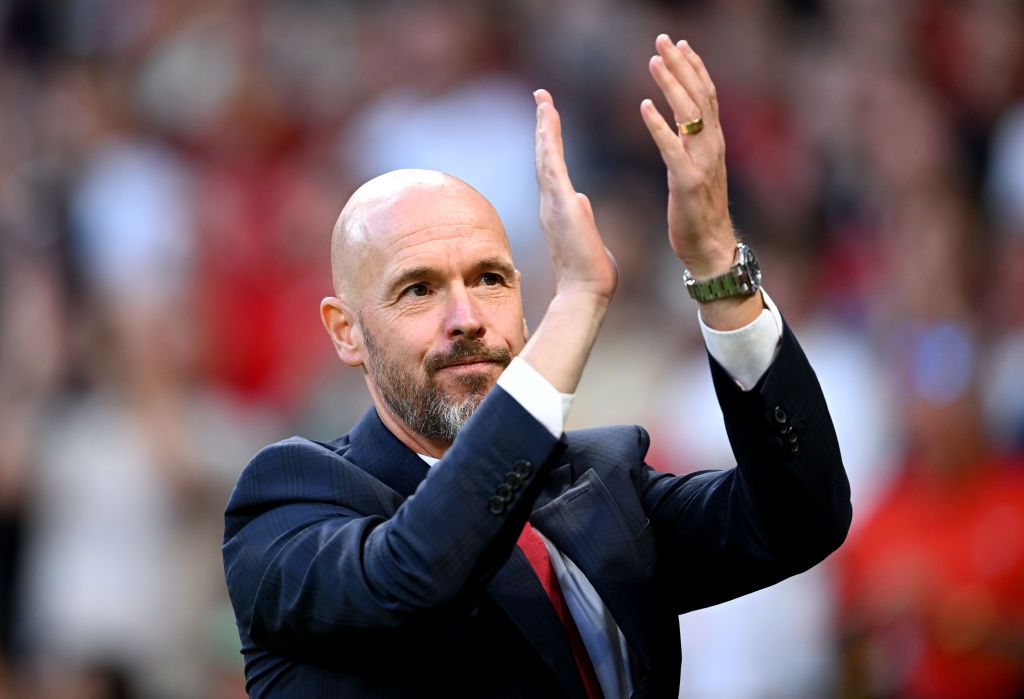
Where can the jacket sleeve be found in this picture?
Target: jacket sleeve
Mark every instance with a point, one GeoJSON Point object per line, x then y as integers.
{"type": "Point", "coordinates": [309, 555]}
{"type": "Point", "coordinates": [784, 508]}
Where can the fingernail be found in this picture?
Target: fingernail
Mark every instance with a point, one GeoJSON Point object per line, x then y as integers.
{"type": "Point", "coordinates": [536, 96]}
{"type": "Point", "coordinates": [663, 37]}
{"type": "Point", "coordinates": [683, 44]}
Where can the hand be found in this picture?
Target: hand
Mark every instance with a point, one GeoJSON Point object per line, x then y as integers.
{"type": "Point", "coordinates": [582, 263]}
{"type": "Point", "coordinates": [699, 228]}
{"type": "Point", "coordinates": [585, 272]}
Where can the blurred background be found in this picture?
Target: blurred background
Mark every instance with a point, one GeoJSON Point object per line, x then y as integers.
{"type": "Point", "coordinates": [169, 176]}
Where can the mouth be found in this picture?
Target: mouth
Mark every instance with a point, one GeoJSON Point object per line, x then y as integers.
{"type": "Point", "coordinates": [469, 364]}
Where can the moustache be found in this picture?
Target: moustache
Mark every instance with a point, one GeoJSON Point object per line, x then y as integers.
{"type": "Point", "coordinates": [466, 349]}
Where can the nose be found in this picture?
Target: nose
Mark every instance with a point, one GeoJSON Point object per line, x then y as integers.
{"type": "Point", "coordinates": [463, 318]}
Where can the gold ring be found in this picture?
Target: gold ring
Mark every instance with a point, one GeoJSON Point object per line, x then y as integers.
{"type": "Point", "coordinates": [690, 127]}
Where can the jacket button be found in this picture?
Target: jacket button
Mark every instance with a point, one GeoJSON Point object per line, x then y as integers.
{"type": "Point", "coordinates": [791, 436]}
{"type": "Point", "coordinates": [794, 447]}
{"type": "Point", "coordinates": [496, 505]}
{"type": "Point", "coordinates": [524, 468]}
{"type": "Point", "coordinates": [514, 480]}
{"type": "Point", "coordinates": [780, 415]}
{"type": "Point", "coordinates": [504, 492]}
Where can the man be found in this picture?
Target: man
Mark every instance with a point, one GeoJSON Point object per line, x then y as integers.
{"type": "Point", "coordinates": [456, 542]}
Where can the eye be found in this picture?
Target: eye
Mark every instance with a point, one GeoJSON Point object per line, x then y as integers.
{"type": "Point", "coordinates": [491, 279]}
{"type": "Point", "coordinates": [416, 290]}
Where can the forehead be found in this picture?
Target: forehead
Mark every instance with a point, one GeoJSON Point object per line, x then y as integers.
{"type": "Point", "coordinates": [436, 226]}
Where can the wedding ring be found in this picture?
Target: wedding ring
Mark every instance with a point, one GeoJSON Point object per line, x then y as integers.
{"type": "Point", "coordinates": [690, 127]}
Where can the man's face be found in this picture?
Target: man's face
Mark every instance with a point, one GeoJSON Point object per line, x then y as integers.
{"type": "Point", "coordinates": [441, 315]}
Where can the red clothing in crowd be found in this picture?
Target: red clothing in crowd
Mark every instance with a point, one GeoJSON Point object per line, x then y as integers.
{"type": "Point", "coordinates": [935, 583]}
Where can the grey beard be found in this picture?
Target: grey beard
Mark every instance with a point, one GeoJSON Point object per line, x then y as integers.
{"type": "Point", "coordinates": [426, 409]}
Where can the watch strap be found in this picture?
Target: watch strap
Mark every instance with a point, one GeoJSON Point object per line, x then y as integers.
{"type": "Point", "coordinates": [720, 287]}
{"type": "Point", "coordinates": [740, 280]}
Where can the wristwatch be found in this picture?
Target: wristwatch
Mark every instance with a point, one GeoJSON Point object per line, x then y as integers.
{"type": "Point", "coordinates": [742, 279]}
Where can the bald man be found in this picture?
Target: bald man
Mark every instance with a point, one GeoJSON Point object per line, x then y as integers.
{"type": "Point", "coordinates": [457, 542]}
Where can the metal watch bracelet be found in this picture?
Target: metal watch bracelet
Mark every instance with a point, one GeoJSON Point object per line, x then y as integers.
{"type": "Point", "coordinates": [742, 279]}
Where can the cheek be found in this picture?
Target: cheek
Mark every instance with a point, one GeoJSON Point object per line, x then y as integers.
{"type": "Point", "coordinates": [404, 340]}
{"type": "Point", "coordinates": [507, 322]}
{"type": "Point", "coordinates": [411, 346]}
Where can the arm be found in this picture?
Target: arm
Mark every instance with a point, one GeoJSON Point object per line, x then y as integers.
{"type": "Point", "coordinates": [315, 548]}
{"type": "Point", "coordinates": [786, 505]}
{"type": "Point", "coordinates": [585, 272]}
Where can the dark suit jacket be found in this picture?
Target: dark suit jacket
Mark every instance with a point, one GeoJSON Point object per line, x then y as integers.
{"type": "Point", "coordinates": [354, 573]}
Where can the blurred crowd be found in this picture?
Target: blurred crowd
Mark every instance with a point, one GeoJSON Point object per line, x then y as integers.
{"type": "Point", "coordinates": [169, 175]}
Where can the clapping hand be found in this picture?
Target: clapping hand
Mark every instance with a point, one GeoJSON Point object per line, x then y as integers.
{"type": "Point", "coordinates": [699, 228]}
{"type": "Point", "coordinates": [585, 272]}
{"type": "Point", "coordinates": [582, 263]}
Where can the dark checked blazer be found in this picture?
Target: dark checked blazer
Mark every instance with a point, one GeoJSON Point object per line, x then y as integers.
{"type": "Point", "coordinates": [356, 571]}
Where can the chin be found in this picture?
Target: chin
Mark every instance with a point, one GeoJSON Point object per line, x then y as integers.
{"type": "Point", "coordinates": [469, 384]}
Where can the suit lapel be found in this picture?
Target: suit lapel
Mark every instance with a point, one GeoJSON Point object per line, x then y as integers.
{"type": "Point", "coordinates": [374, 449]}
{"type": "Point", "coordinates": [615, 554]}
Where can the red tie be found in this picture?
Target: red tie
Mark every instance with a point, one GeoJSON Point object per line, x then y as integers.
{"type": "Point", "coordinates": [537, 553]}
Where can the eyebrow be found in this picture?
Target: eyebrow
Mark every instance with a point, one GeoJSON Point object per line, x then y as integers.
{"type": "Point", "coordinates": [496, 263]}
{"type": "Point", "coordinates": [418, 273]}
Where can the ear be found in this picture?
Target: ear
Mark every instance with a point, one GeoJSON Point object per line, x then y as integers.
{"type": "Point", "coordinates": [344, 331]}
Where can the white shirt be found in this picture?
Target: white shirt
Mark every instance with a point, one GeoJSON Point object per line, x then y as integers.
{"type": "Point", "coordinates": [746, 354]}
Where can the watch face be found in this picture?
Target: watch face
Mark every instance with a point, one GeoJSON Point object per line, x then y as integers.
{"type": "Point", "coordinates": [750, 265]}
{"type": "Point", "coordinates": [754, 267]}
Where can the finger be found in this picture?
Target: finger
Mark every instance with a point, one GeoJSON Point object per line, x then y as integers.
{"type": "Point", "coordinates": [683, 106]}
{"type": "Point", "coordinates": [684, 72]}
{"type": "Point", "coordinates": [702, 72]}
{"type": "Point", "coordinates": [543, 97]}
{"type": "Point", "coordinates": [552, 173]}
{"type": "Point", "coordinates": [665, 137]}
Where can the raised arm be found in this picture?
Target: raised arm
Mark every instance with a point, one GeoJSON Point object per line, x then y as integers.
{"type": "Point", "coordinates": [585, 272]}
{"type": "Point", "coordinates": [786, 505]}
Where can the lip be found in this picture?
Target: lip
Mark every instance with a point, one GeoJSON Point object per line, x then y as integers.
{"type": "Point", "coordinates": [469, 364]}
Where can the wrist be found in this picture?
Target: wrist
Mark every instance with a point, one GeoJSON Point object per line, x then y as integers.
{"type": "Point", "coordinates": [711, 261]}
{"type": "Point", "coordinates": [578, 300]}
{"type": "Point", "coordinates": [559, 348]}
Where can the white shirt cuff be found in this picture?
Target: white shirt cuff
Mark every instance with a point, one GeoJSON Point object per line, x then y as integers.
{"type": "Point", "coordinates": [747, 352]}
{"type": "Point", "coordinates": [536, 394]}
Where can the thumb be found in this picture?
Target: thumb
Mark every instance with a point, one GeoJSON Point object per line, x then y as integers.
{"type": "Point", "coordinates": [587, 206]}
